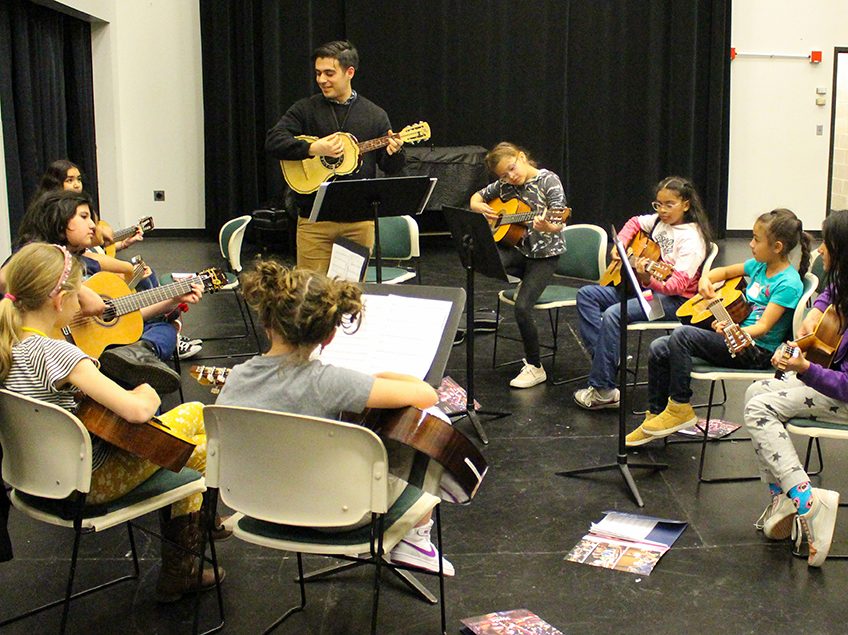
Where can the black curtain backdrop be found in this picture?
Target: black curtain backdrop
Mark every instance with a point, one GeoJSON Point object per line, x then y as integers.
{"type": "Point", "coordinates": [612, 95]}
{"type": "Point", "coordinates": [46, 97]}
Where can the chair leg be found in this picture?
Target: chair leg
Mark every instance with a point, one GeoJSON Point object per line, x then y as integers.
{"type": "Point", "coordinates": [207, 520]}
{"type": "Point", "coordinates": [706, 439]}
{"type": "Point", "coordinates": [378, 560]}
{"type": "Point", "coordinates": [442, 567]}
{"type": "Point", "coordinates": [808, 456]}
{"type": "Point", "coordinates": [294, 609]}
{"type": "Point", "coordinates": [497, 330]}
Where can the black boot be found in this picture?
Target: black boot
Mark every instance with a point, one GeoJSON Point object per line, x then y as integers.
{"type": "Point", "coordinates": [136, 364]}
{"type": "Point", "coordinates": [178, 575]}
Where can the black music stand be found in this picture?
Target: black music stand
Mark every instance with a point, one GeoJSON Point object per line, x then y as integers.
{"type": "Point", "coordinates": [353, 200]}
{"type": "Point", "coordinates": [473, 239]}
{"type": "Point", "coordinates": [628, 278]}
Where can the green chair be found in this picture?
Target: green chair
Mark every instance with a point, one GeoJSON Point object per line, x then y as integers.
{"type": "Point", "coordinates": [398, 244]}
{"type": "Point", "coordinates": [701, 369]}
{"type": "Point", "coordinates": [817, 269]}
{"type": "Point", "coordinates": [584, 259]}
{"type": "Point", "coordinates": [47, 461]}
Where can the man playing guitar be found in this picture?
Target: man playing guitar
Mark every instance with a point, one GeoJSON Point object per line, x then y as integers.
{"type": "Point", "coordinates": [338, 108]}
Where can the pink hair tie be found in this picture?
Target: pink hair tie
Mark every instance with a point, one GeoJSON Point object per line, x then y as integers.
{"type": "Point", "coordinates": [66, 270]}
{"type": "Point", "coordinates": [10, 297]}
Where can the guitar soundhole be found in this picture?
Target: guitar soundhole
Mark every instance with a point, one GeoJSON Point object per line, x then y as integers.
{"type": "Point", "coordinates": [331, 163]}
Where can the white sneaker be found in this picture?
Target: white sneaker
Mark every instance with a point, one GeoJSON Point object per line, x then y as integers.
{"type": "Point", "coordinates": [591, 398]}
{"type": "Point", "coordinates": [190, 340]}
{"type": "Point", "coordinates": [776, 520]}
{"type": "Point", "coordinates": [186, 349]}
{"type": "Point", "coordinates": [417, 550]}
{"type": "Point", "coordinates": [818, 525]}
{"type": "Point", "coordinates": [529, 376]}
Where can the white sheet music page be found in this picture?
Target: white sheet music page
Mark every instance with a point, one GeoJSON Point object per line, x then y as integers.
{"type": "Point", "coordinates": [398, 334]}
{"type": "Point", "coordinates": [345, 264]}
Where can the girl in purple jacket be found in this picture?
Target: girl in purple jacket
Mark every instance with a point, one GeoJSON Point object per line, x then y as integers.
{"type": "Point", "coordinates": [810, 391]}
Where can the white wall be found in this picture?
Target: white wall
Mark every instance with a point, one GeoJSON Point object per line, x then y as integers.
{"type": "Point", "coordinates": [5, 236]}
{"type": "Point", "coordinates": [148, 109]}
{"type": "Point", "coordinates": [776, 158]}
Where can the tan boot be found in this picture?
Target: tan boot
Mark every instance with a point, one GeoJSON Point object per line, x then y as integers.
{"type": "Point", "coordinates": [178, 575]}
{"type": "Point", "coordinates": [676, 416]}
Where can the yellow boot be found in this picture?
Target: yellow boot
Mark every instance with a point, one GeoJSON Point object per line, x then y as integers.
{"type": "Point", "coordinates": [676, 416]}
{"type": "Point", "coordinates": [638, 436]}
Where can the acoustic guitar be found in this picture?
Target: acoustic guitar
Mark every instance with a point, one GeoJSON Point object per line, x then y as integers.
{"type": "Point", "coordinates": [121, 322]}
{"type": "Point", "coordinates": [144, 224]}
{"type": "Point", "coordinates": [641, 246]}
{"type": "Point", "coordinates": [304, 177]}
{"type": "Point", "coordinates": [464, 465]}
{"type": "Point", "coordinates": [509, 229]}
{"type": "Point", "coordinates": [152, 440]}
{"type": "Point", "coordinates": [730, 305]}
{"type": "Point", "coordinates": [819, 347]}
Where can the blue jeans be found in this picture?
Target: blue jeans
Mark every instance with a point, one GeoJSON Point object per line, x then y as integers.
{"type": "Point", "coordinates": [599, 311]}
{"type": "Point", "coordinates": [162, 336]}
{"type": "Point", "coordinates": [670, 362]}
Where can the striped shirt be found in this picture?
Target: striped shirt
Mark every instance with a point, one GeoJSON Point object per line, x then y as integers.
{"type": "Point", "coordinates": [39, 364]}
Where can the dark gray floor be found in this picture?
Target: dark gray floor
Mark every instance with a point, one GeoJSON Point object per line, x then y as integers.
{"type": "Point", "coordinates": [508, 546]}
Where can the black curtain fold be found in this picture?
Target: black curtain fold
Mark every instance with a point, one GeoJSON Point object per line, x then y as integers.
{"type": "Point", "coordinates": [46, 97]}
{"type": "Point", "coordinates": [612, 95]}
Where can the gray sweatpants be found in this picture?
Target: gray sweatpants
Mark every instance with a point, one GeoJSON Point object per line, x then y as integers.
{"type": "Point", "coordinates": [769, 404]}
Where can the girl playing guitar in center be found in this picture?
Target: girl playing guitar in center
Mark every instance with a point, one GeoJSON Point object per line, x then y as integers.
{"type": "Point", "coordinates": [682, 231]}
{"type": "Point", "coordinates": [773, 294]}
{"type": "Point", "coordinates": [301, 310]}
{"type": "Point", "coordinates": [812, 391]}
{"type": "Point", "coordinates": [534, 258]}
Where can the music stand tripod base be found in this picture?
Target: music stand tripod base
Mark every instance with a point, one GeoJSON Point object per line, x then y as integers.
{"type": "Point", "coordinates": [628, 277]}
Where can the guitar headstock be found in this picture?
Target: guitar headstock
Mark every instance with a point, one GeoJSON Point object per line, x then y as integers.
{"type": "Point", "coordinates": [736, 339]}
{"type": "Point", "coordinates": [215, 376]}
{"type": "Point", "coordinates": [213, 279]}
{"type": "Point", "coordinates": [660, 270]}
{"type": "Point", "coordinates": [415, 132]}
{"type": "Point", "coordinates": [557, 215]}
{"type": "Point", "coordinates": [145, 224]}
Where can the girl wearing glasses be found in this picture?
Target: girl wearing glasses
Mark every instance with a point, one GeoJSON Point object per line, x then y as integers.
{"type": "Point", "coordinates": [681, 229]}
{"type": "Point", "coordinates": [534, 258]}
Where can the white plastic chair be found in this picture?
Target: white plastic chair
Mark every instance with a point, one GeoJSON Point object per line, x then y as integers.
{"type": "Point", "coordinates": [703, 370]}
{"type": "Point", "coordinates": [47, 461]}
{"type": "Point", "coordinates": [288, 475]}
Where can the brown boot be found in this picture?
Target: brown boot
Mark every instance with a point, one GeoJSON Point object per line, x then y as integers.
{"type": "Point", "coordinates": [178, 575]}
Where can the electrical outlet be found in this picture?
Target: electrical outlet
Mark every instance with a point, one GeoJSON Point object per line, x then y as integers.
{"type": "Point", "coordinates": [158, 195]}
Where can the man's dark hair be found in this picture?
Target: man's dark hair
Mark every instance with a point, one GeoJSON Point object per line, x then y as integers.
{"type": "Point", "coordinates": [342, 50]}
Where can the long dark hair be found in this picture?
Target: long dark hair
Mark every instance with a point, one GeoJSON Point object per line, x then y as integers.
{"type": "Point", "coordinates": [835, 236]}
{"type": "Point", "coordinates": [685, 189]}
{"type": "Point", "coordinates": [47, 218]}
{"type": "Point", "coordinates": [782, 224]}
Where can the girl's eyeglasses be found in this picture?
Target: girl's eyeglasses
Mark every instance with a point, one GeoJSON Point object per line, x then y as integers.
{"type": "Point", "coordinates": [666, 206]}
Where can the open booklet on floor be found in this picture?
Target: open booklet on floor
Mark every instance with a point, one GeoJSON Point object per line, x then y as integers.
{"type": "Point", "coordinates": [515, 622]}
{"type": "Point", "coordinates": [627, 542]}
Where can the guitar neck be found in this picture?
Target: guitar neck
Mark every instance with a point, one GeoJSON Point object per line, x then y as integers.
{"type": "Point", "coordinates": [523, 217]}
{"type": "Point", "coordinates": [373, 144]}
{"type": "Point", "coordinates": [126, 232]}
{"type": "Point", "coordinates": [136, 301]}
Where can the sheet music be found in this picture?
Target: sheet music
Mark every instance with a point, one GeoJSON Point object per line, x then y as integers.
{"type": "Point", "coordinates": [398, 333]}
{"type": "Point", "coordinates": [346, 264]}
